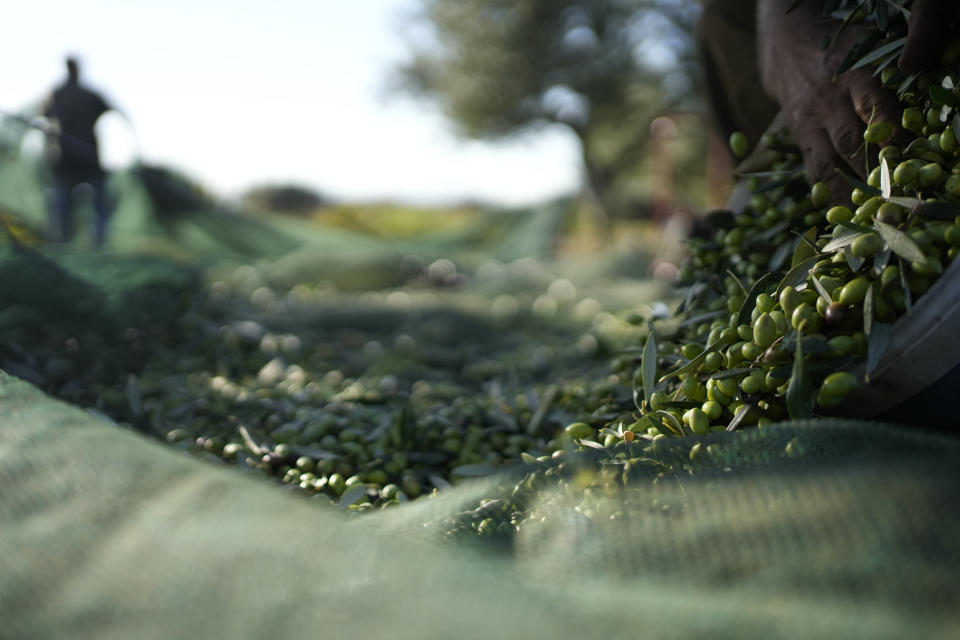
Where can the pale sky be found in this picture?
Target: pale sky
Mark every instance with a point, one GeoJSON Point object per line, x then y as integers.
{"type": "Point", "coordinates": [242, 92]}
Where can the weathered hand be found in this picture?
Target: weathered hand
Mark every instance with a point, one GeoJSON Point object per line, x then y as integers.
{"type": "Point", "coordinates": [827, 114]}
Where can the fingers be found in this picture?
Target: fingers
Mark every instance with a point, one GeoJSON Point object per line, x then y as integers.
{"type": "Point", "coordinates": [928, 32]}
{"type": "Point", "coordinates": [844, 128]}
{"type": "Point", "coordinates": [821, 161]}
{"type": "Point", "coordinates": [870, 100]}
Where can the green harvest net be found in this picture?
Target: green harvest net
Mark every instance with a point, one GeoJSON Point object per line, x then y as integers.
{"type": "Point", "coordinates": [107, 535]}
{"type": "Point", "coordinates": [814, 529]}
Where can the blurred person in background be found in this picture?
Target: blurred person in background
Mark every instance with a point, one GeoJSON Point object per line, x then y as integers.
{"type": "Point", "coordinates": [73, 153]}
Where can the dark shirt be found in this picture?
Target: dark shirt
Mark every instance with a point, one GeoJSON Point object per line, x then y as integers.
{"type": "Point", "coordinates": [74, 151]}
{"type": "Point", "coordinates": [727, 38]}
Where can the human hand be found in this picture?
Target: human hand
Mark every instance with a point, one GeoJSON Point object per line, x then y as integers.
{"type": "Point", "coordinates": [928, 32]}
{"type": "Point", "coordinates": [827, 114]}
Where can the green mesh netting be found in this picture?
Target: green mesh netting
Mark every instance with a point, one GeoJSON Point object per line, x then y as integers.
{"type": "Point", "coordinates": [108, 535]}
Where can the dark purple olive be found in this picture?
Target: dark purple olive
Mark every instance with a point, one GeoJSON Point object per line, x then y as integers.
{"type": "Point", "coordinates": [836, 314]}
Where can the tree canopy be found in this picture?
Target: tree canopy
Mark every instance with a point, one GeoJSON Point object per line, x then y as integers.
{"type": "Point", "coordinates": [603, 68]}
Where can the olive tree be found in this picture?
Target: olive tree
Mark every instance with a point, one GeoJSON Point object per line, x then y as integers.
{"type": "Point", "coordinates": [602, 68]}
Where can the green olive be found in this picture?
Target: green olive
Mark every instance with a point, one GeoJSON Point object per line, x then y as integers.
{"type": "Point", "coordinates": [859, 196]}
{"type": "Point", "coordinates": [727, 386]}
{"type": "Point", "coordinates": [867, 245]}
{"type": "Point", "coordinates": [905, 173]}
{"type": "Point", "coordinates": [657, 401]}
{"type": "Point", "coordinates": [948, 139]}
{"type": "Point", "coordinates": [739, 144]}
{"type": "Point", "coordinates": [842, 345]}
{"type": "Point", "coordinates": [931, 267]}
{"type": "Point", "coordinates": [712, 362]}
{"type": "Point", "coordinates": [838, 384]}
{"type": "Point", "coordinates": [751, 351]}
{"type": "Point", "coordinates": [869, 208]}
{"type": "Point", "coordinates": [929, 174]}
{"type": "Point", "coordinates": [839, 214]}
{"type": "Point", "coordinates": [691, 350]}
{"type": "Point", "coordinates": [764, 331]}
{"type": "Point", "coordinates": [890, 213]}
{"type": "Point", "coordinates": [578, 430]}
{"type": "Point", "coordinates": [789, 299]}
{"type": "Point", "coordinates": [877, 132]}
{"type": "Point", "coordinates": [697, 420]}
{"type": "Point", "coordinates": [712, 409]}
{"type": "Point", "coordinates": [751, 384]}
{"type": "Point", "coordinates": [913, 119]}
{"type": "Point", "coordinates": [820, 195]}
{"type": "Point", "coordinates": [951, 234]}
{"type": "Point", "coordinates": [854, 291]}
{"type": "Point", "coordinates": [336, 483]}
{"type": "Point", "coordinates": [891, 273]}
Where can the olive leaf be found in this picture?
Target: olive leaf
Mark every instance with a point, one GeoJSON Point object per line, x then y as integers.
{"type": "Point", "coordinates": [907, 82]}
{"type": "Point", "coordinates": [739, 416]}
{"type": "Point", "coordinates": [737, 280]}
{"type": "Point", "coordinates": [860, 49]}
{"type": "Point", "coordinates": [779, 256]}
{"type": "Point", "coordinates": [821, 289]}
{"type": "Point", "coordinates": [799, 393]}
{"type": "Point", "coordinates": [352, 494]}
{"type": "Point", "coordinates": [852, 226]}
{"type": "Point", "coordinates": [906, 203]}
{"type": "Point", "coordinates": [805, 247]}
{"type": "Point", "coordinates": [905, 285]}
{"type": "Point", "coordinates": [882, 14]}
{"type": "Point", "coordinates": [797, 275]}
{"type": "Point", "coordinates": [879, 52]}
{"type": "Point", "coordinates": [841, 241]}
{"type": "Point", "coordinates": [732, 373]}
{"type": "Point", "coordinates": [669, 421]}
{"type": "Point", "coordinates": [695, 362]}
{"type": "Point", "coordinates": [901, 244]}
{"type": "Point", "coordinates": [877, 345]}
{"type": "Point", "coordinates": [854, 262]}
{"type": "Point", "coordinates": [648, 368]}
{"type": "Point", "coordinates": [881, 259]}
{"type": "Point", "coordinates": [868, 310]}
{"type": "Point", "coordinates": [591, 444]}
{"type": "Point", "coordinates": [750, 301]}
{"type": "Point", "coordinates": [885, 186]}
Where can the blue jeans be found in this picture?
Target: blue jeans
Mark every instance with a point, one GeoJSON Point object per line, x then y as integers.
{"type": "Point", "coordinates": [64, 187]}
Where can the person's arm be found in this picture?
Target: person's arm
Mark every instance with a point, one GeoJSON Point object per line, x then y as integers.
{"type": "Point", "coordinates": [827, 114]}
